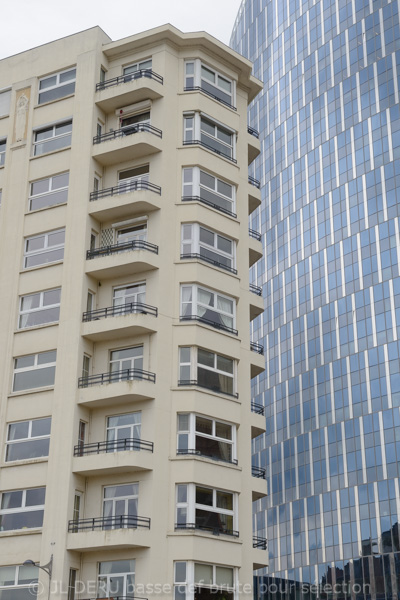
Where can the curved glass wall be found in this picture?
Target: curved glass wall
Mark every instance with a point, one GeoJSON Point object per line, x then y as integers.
{"type": "Point", "coordinates": [329, 122]}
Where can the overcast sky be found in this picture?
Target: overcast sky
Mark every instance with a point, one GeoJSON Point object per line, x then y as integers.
{"type": "Point", "coordinates": [29, 23]}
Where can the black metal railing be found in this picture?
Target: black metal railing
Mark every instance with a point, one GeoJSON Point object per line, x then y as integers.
{"type": "Point", "coordinates": [255, 234]}
{"type": "Point", "coordinates": [118, 598]}
{"type": "Point", "coordinates": [116, 311]}
{"type": "Point", "coordinates": [258, 472]}
{"type": "Point", "coordinates": [216, 263]}
{"type": "Point", "coordinates": [102, 85]}
{"type": "Point", "coordinates": [214, 530]}
{"type": "Point", "coordinates": [214, 324]}
{"type": "Point", "coordinates": [254, 182]}
{"type": "Point", "coordinates": [199, 453]}
{"type": "Point", "coordinates": [113, 446]}
{"type": "Point", "coordinates": [127, 130]}
{"type": "Point", "coordinates": [255, 289]}
{"type": "Point", "coordinates": [253, 132]}
{"type": "Point", "coordinates": [116, 376]}
{"type": "Point", "coordinates": [260, 543]}
{"type": "Point", "coordinates": [124, 188]}
{"type": "Point", "coordinates": [198, 88]}
{"type": "Point", "coordinates": [114, 248]}
{"type": "Point", "coordinates": [259, 409]}
{"type": "Point", "coordinates": [214, 388]}
{"type": "Point", "coordinates": [254, 347]}
{"type": "Point", "coordinates": [209, 147]}
{"type": "Point", "coordinates": [118, 522]}
{"type": "Point", "coordinates": [208, 203]}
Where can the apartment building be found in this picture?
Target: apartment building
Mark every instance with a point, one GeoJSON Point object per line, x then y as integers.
{"type": "Point", "coordinates": [126, 358]}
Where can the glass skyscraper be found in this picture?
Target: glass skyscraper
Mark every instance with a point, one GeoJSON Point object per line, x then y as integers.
{"type": "Point", "coordinates": [329, 122]}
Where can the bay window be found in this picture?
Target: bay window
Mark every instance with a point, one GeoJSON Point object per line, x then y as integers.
{"type": "Point", "coordinates": [18, 582]}
{"type": "Point", "coordinates": [208, 245]}
{"type": "Point", "coordinates": [199, 185]}
{"type": "Point", "coordinates": [202, 581]}
{"type": "Point", "coordinates": [207, 509]}
{"type": "Point", "coordinates": [203, 130]}
{"type": "Point", "coordinates": [22, 509]}
{"type": "Point", "coordinates": [204, 436]}
{"type": "Point", "coordinates": [201, 76]}
{"type": "Point", "coordinates": [28, 439]}
{"type": "Point", "coordinates": [204, 305]}
{"type": "Point", "coordinates": [34, 371]}
{"type": "Point", "coordinates": [206, 369]}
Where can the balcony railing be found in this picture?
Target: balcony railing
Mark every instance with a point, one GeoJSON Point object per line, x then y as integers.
{"type": "Point", "coordinates": [124, 188]}
{"type": "Point", "coordinates": [255, 289]}
{"type": "Point", "coordinates": [254, 347]}
{"type": "Point", "coordinates": [199, 453]}
{"type": "Point", "coordinates": [106, 523]}
{"type": "Point", "coordinates": [102, 85]}
{"type": "Point", "coordinates": [216, 263]}
{"type": "Point", "coordinates": [208, 203]}
{"type": "Point", "coordinates": [114, 248]}
{"type": "Point", "coordinates": [128, 130]}
{"type": "Point", "coordinates": [255, 234]}
{"type": "Point", "coordinates": [118, 598]}
{"type": "Point", "coordinates": [215, 324]}
{"type": "Point", "coordinates": [116, 376]}
{"type": "Point", "coordinates": [122, 445]}
{"type": "Point", "coordinates": [253, 132]}
{"type": "Point", "coordinates": [195, 382]}
{"type": "Point", "coordinates": [254, 182]}
{"type": "Point", "coordinates": [214, 530]}
{"type": "Point", "coordinates": [198, 88]}
{"type": "Point", "coordinates": [259, 542]}
{"type": "Point", "coordinates": [258, 472]}
{"type": "Point", "coordinates": [116, 311]}
{"type": "Point", "coordinates": [209, 147]}
{"type": "Point", "coordinates": [258, 409]}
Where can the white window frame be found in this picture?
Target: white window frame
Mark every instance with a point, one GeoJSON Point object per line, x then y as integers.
{"type": "Point", "coordinates": [129, 184]}
{"type": "Point", "coordinates": [57, 86]}
{"type": "Point", "coordinates": [195, 79]}
{"type": "Point", "coordinates": [189, 507]}
{"type": "Point", "coordinates": [120, 361]}
{"type": "Point", "coordinates": [21, 586]}
{"type": "Point", "coordinates": [194, 134]}
{"type": "Point", "coordinates": [46, 248]}
{"type": "Point", "coordinates": [23, 508]}
{"type": "Point", "coordinates": [113, 500]}
{"type": "Point", "coordinates": [41, 308]}
{"type": "Point", "coordinates": [138, 225]}
{"type": "Point", "coordinates": [5, 102]}
{"type": "Point", "coordinates": [3, 142]}
{"type": "Point", "coordinates": [190, 236]}
{"type": "Point", "coordinates": [52, 191]}
{"type": "Point", "coordinates": [34, 367]}
{"type": "Point", "coordinates": [128, 76]}
{"type": "Point", "coordinates": [192, 187]}
{"type": "Point", "coordinates": [194, 365]}
{"type": "Point", "coordinates": [37, 143]}
{"type": "Point", "coordinates": [29, 438]}
{"type": "Point", "coordinates": [108, 576]}
{"type": "Point", "coordinates": [184, 590]}
{"type": "Point", "coordinates": [197, 304]}
{"type": "Point", "coordinates": [188, 436]}
{"type": "Point", "coordinates": [135, 433]}
{"type": "Point", "coordinates": [133, 297]}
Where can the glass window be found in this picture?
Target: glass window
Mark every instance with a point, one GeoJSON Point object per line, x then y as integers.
{"type": "Point", "coordinates": [18, 582]}
{"type": "Point", "coordinates": [210, 307]}
{"type": "Point", "coordinates": [49, 192]}
{"type": "Point", "coordinates": [210, 81]}
{"type": "Point", "coordinates": [199, 242]}
{"type": "Point", "coordinates": [130, 179]}
{"type": "Point", "coordinates": [39, 309]}
{"type": "Point", "coordinates": [2, 152]}
{"type": "Point", "coordinates": [129, 294]}
{"type": "Point", "coordinates": [206, 437]}
{"type": "Point", "coordinates": [57, 86]}
{"type": "Point", "coordinates": [207, 579]}
{"type": "Point", "coordinates": [124, 431]}
{"type": "Point", "coordinates": [200, 185]}
{"type": "Point", "coordinates": [52, 138]}
{"type": "Point", "coordinates": [45, 248]}
{"type": "Point", "coordinates": [206, 369]}
{"type": "Point", "coordinates": [120, 506]}
{"type": "Point", "coordinates": [137, 69]}
{"type": "Point", "coordinates": [5, 101]}
{"type": "Point", "coordinates": [34, 371]}
{"type": "Point", "coordinates": [116, 579]}
{"type": "Point", "coordinates": [212, 135]}
{"type": "Point", "coordinates": [22, 509]}
{"type": "Point", "coordinates": [124, 363]}
{"type": "Point", "coordinates": [205, 508]}
{"type": "Point", "coordinates": [134, 123]}
{"type": "Point", "coordinates": [131, 233]}
{"type": "Point", "coordinates": [28, 439]}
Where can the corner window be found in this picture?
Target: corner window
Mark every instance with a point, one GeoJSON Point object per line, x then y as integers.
{"type": "Point", "coordinates": [2, 152]}
{"type": "Point", "coordinates": [34, 371]}
{"type": "Point", "coordinates": [204, 436]}
{"type": "Point", "coordinates": [201, 304]}
{"type": "Point", "coordinates": [137, 70]}
{"type": "Point", "coordinates": [203, 77]}
{"type": "Point", "coordinates": [57, 86]}
{"type": "Point", "coordinates": [200, 185]}
{"type": "Point", "coordinates": [45, 248]}
{"type": "Point", "coordinates": [207, 509]}
{"type": "Point", "coordinates": [18, 582]}
{"type": "Point", "coordinates": [116, 579]}
{"type": "Point", "coordinates": [52, 138]}
{"type": "Point", "coordinates": [28, 439]}
{"type": "Point", "coordinates": [22, 509]}
{"type": "Point", "coordinates": [201, 581]}
{"type": "Point", "coordinates": [199, 129]}
{"type": "Point", "coordinates": [206, 369]}
{"type": "Point", "coordinates": [49, 192]}
{"type": "Point", "coordinates": [5, 101]}
{"type": "Point", "coordinates": [208, 245]}
{"type": "Point", "coordinates": [39, 309]}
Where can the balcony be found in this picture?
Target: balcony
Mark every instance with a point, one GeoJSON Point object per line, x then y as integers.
{"type": "Point", "coordinates": [130, 142]}
{"type": "Point", "coordinates": [260, 542]}
{"type": "Point", "coordinates": [256, 302]}
{"type": "Point", "coordinates": [126, 199]}
{"type": "Point", "coordinates": [260, 558]}
{"type": "Point", "coordinates": [255, 247]}
{"type": "Point", "coordinates": [129, 320]}
{"type": "Point", "coordinates": [206, 259]}
{"type": "Point", "coordinates": [210, 204]}
{"type": "Point", "coordinates": [253, 132]}
{"type": "Point", "coordinates": [118, 456]}
{"type": "Point", "coordinates": [257, 419]}
{"type": "Point", "coordinates": [255, 182]}
{"type": "Point", "coordinates": [258, 348]}
{"type": "Point", "coordinates": [128, 385]}
{"type": "Point", "coordinates": [215, 389]}
{"type": "Point", "coordinates": [113, 533]}
{"type": "Point", "coordinates": [116, 376]}
{"type": "Point", "coordinates": [204, 90]}
{"type": "Point", "coordinates": [217, 530]}
{"type": "Point", "coordinates": [259, 485]}
{"type": "Point", "coordinates": [216, 324]}
{"type": "Point", "coordinates": [212, 456]}
{"type": "Point", "coordinates": [258, 472]}
{"type": "Point", "coordinates": [143, 84]}
{"type": "Point", "coordinates": [209, 147]}
{"type": "Point", "coordinates": [257, 361]}
{"type": "Point", "coordinates": [254, 194]}
{"type": "Point", "coordinates": [253, 145]}
{"type": "Point", "coordinates": [116, 259]}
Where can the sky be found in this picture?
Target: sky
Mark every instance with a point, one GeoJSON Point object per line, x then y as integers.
{"type": "Point", "coordinates": [30, 23]}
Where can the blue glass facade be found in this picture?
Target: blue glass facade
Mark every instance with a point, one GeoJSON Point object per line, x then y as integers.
{"type": "Point", "coordinates": [329, 122]}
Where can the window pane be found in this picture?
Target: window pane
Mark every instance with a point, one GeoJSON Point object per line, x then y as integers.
{"type": "Point", "coordinates": [224, 244]}
{"type": "Point", "coordinates": [204, 425]}
{"type": "Point", "coordinates": [205, 358]}
{"type": "Point", "coordinates": [224, 576]}
{"type": "Point", "coordinates": [204, 496]}
{"type": "Point", "coordinates": [34, 379]}
{"type": "Point", "coordinates": [41, 427]}
{"type": "Point", "coordinates": [223, 431]}
{"type": "Point", "coordinates": [206, 236]}
{"type": "Point", "coordinates": [7, 576]}
{"type": "Point", "coordinates": [35, 497]}
{"type": "Point", "coordinates": [180, 572]}
{"type": "Point", "coordinates": [203, 574]}
{"type": "Point", "coordinates": [30, 449]}
{"type": "Point", "coordinates": [225, 364]}
{"type": "Point", "coordinates": [17, 431]}
{"type": "Point", "coordinates": [225, 500]}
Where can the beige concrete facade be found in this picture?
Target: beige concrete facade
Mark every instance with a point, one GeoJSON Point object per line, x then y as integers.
{"type": "Point", "coordinates": [131, 122]}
